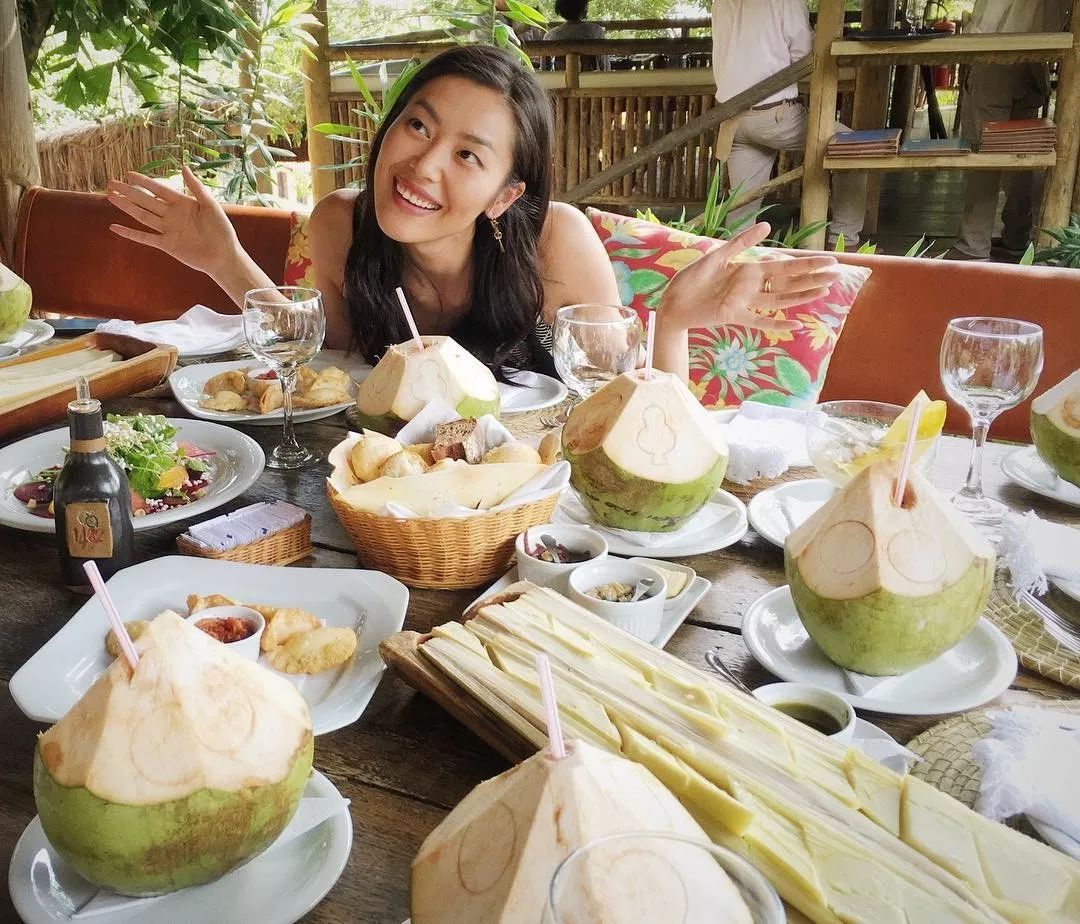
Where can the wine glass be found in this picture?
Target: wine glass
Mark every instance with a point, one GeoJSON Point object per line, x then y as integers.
{"type": "Point", "coordinates": [285, 326]}
{"type": "Point", "coordinates": [642, 878]}
{"type": "Point", "coordinates": [591, 344]}
{"type": "Point", "coordinates": [988, 365]}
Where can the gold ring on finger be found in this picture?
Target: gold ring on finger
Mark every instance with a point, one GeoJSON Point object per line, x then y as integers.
{"type": "Point", "coordinates": [766, 286]}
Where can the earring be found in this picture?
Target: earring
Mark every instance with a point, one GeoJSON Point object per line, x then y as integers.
{"type": "Point", "coordinates": [496, 232]}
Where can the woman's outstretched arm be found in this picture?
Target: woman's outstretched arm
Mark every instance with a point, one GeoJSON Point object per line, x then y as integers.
{"type": "Point", "coordinates": [193, 229]}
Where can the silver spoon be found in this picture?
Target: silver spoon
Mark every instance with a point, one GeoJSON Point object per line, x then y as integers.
{"type": "Point", "coordinates": [713, 659]}
{"type": "Point", "coordinates": [641, 588]}
{"type": "Point", "coordinates": [552, 546]}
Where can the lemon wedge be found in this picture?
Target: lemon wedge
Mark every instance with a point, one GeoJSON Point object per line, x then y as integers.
{"type": "Point", "coordinates": [172, 478]}
{"type": "Point", "coordinates": [931, 422]}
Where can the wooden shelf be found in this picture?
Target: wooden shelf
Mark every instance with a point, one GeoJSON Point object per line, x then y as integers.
{"type": "Point", "coordinates": [944, 162]}
{"type": "Point", "coordinates": [1004, 48]}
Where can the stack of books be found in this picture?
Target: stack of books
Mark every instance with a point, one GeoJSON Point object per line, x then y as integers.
{"type": "Point", "coordinates": [938, 147]}
{"type": "Point", "coordinates": [1019, 136]}
{"type": "Point", "coordinates": [875, 142]}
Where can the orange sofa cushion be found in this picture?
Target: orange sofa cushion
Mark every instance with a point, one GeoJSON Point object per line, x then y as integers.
{"type": "Point", "coordinates": [76, 266]}
{"type": "Point", "coordinates": [890, 346]}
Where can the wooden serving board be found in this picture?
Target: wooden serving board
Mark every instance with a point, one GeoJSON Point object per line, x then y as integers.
{"type": "Point", "coordinates": [401, 652]}
{"type": "Point", "coordinates": [143, 366]}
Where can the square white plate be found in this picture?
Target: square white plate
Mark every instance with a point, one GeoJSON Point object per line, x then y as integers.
{"type": "Point", "coordinates": [187, 385]}
{"type": "Point", "coordinates": [55, 678]}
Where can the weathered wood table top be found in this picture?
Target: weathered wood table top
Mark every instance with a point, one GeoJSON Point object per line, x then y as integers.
{"type": "Point", "coordinates": [405, 763]}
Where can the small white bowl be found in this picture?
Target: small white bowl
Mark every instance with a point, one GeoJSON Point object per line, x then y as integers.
{"type": "Point", "coordinates": [641, 618]}
{"type": "Point", "coordinates": [838, 708]}
{"type": "Point", "coordinates": [246, 647]}
{"type": "Point", "coordinates": [550, 574]}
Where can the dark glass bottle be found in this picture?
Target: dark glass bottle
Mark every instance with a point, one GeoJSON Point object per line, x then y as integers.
{"type": "Point", "coordinates": [91, 501]}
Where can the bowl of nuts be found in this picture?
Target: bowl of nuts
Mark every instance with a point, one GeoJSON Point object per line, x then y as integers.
{"type": "Point", "coordinates": [627, 594]}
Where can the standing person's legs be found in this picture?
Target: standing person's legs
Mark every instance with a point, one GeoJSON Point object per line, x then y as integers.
{"type": "Point", "coordinates": [1023, 188]}
{"type": "Point", "coordinates": [848, 204]}
{"type": "Point", "coordinates": [990, 89]}
{"type": "Point", "coordinates": [750, 164]}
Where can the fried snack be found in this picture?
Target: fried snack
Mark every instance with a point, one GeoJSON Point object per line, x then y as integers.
{"type": "Point", "coordinates": [321, 396]}
{"type": "Point", "coordinates": [196, 603]}
{"type": "Point", "coordinates": [271, 399]}
{"type": "Point", "coordinates": [256, 386]}
{"type": "Point", "coordinates": [306, 377]}
{"type": "Point", "coordinates": [285, 623]}
{"type": "Point", "coordinates": [135, 628]}
{"type": "Point", "coordinates": [224, 401]}
{"type": "Point", "coordinates": [332, 377]}
{"type": "Point", "coordinates": [234, 381]}
{"type": "Point", "coordinates": [313, 652]}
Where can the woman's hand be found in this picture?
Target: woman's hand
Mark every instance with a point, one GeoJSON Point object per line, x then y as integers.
{"type": "Point", "coordinates": [720, 289]}
{"type": "Point", "coordinates": [194, 229]}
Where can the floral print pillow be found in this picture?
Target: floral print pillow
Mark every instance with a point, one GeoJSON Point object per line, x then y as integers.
{"type": "Point", "coordinates": [298, 270]}
{"type": "Point", "coordinates": [732, 364]}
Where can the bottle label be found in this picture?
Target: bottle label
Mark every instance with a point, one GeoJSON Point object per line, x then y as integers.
{"type": "Point", "coordinates": [89, 530]}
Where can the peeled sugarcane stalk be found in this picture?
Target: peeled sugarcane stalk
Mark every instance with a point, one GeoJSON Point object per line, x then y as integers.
{"type": "Point", "coordinates": [769, 787]}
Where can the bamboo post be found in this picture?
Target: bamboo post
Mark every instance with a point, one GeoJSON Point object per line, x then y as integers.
{"type": "Point", "coordinates": [18, 153]}
{"type": "Point", "coordinates": [821, 123]}
{"type": "Point", "coordinates": [1060, 186]}
{"type": "Point", "coordinates": [317, 104]}
{"type": "Point", "coordinates": [872, 100]}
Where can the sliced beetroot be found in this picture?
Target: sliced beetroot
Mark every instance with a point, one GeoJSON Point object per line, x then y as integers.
{"type": "Point", "coordinates": [38, 491]}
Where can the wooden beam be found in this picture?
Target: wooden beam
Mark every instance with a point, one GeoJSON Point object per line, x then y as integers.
{"type": "Point", "coordinates": [1057, 200]}
{"type": "Point", "coordinates": [317, 105]}
{"type": "Point", "coordinates": [778, 182]}
{"type": "Point", "coordinates": [821, 122]}
{"type": "Point", "coordinates": [944, 162]}
{"type": "Point", "coordinates": [695, 127]}
{"type": "Point", "coordinates": [395, 50]}
{"type": "Point", "coordinates": [991, 48]}
{"type": "Point", "coordinates": [871, 105]}
{"type": "Point", "coordinates": [19, 168]}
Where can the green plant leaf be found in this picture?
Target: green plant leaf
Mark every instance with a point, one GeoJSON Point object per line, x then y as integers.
{"type": "Point", "coordinates": [1029, 256]}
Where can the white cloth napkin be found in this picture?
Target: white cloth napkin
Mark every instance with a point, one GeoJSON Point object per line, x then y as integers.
{"type": "Point", "coordinates": [197, 330]}
{"type": "Point", "coordinates": [765, 441]}
{"type": "Point", "coordinates": [421, 429]}
{"type": "Point", "coordinates": [310, 813]}
{"type": "Point", "coordinates": [1034, 550]}
{"type": "Point", "coordinates": [1029, 762]}
{"type": "Point", "coordinates": [708, 519]}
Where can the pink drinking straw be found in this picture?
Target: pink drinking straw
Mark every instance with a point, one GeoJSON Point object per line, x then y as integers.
{"type": "Point", "coordinates": [551, 706]}
{"type": "Point", "coordinates": [650, 340]}
{"type": "Point", "coordinates": [409, 319]}
{"type": "Point", "coordinates": [909, 446]}
{"type": "Point", "coordinates": [118, 626]}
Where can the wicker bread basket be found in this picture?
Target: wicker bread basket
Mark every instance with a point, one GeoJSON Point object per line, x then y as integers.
{"type": "Point", "coordinates": [279, 548]}
{"type": "Point", "coordinates": [444, 553]}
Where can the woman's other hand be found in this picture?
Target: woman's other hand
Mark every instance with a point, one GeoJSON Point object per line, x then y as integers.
{"type": "Point", "coordinates": [194, 229]}
{"type": "Point", "coordinates": [721, 289]}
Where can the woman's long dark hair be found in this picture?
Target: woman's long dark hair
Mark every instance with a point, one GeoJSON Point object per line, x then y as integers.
{"type": "Point", "coordinates": [506, 293]}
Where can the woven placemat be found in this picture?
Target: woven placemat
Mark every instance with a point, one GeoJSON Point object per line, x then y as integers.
{"type": "Point", "coordinates": [745, 492]}
{"type": "Point", "coordinates": [1037, 650]}
{"type": "Point", "coordinates": [946, 750]}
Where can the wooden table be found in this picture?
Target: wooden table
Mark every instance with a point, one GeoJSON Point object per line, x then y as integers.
{"type": "Point", "coordinates": [405, 763]}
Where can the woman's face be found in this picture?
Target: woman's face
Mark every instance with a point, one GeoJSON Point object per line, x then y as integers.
{"type": "Point", "coordinates": [444, 161]}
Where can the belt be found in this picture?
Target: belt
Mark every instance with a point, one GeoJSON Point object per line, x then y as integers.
{"type": "Point", "coordinates": [773, 105]}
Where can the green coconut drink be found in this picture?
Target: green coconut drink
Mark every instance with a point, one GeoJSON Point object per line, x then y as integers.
{"type": "Point", "coordinates": [15, 301]}
{"type": "Point", "coordinates": [643, 453]}
{"type": "Point", "coordinates": [176, 773]}
{"type": "Point", "coordinates": [1055, 428]}
{"type": "Point", "coordinates": [406, 379]}
{"type": "Point", "coordinates": [883, 589]}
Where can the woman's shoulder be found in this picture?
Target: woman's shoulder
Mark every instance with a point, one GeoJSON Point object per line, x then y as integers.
{"type": "Point", "coordinates": [566, 227]}
{"type": "Point", "coordinates": [334, 210]}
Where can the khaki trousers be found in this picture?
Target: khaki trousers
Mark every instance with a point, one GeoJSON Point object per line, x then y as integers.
{"type": "Point", "coordinates": [993, 93]}
{"type": "Point", "coordinates": [760, 135]}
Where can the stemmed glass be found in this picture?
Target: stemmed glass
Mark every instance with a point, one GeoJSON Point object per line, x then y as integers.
{"type": "Point", "coordinates": [988, 365]}
{"type": "Point", "coordinates": [591, 345]}
{"type": "Point", "coordinates": [285, 326]}
{"type": "Point", "coordinates": [646, 877]}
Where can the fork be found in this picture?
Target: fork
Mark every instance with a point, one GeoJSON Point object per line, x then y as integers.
{"type": "Point", "coordinates": [1056, 626]}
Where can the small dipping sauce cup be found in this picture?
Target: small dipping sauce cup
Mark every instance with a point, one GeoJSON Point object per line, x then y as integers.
{"type": "Point", "coordinates": [815, 707]}
{"type": "Point", "coordinates": [239, 628]}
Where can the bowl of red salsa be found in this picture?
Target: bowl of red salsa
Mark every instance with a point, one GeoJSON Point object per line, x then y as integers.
{"type": "Point", "coordinates": [240, 628]}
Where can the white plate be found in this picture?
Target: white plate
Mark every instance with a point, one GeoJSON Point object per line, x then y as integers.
{"type": "Point", "coordinates": [236, 467]}
{"type": "Point", "coordinates": [277, 887]}
{"type": "Point", "coordinates": [1056, 838]}
{"type": "Point", "coordinates": [1029, 471]}
{"type": "Point", "coordinates": [33, 332]}
{"type": "Point", "coordinates": [978, 668]}
{"type": "Point", "coordinates": [187, 385]}
{"type": "Point", "coordinates": [534, 392]}
{"type": "Point", "coordinates": [700, 541]}
{"type": "Point", "coordinates": [54, 679]}
{"type": "Point", "coordinates": [801, 498]}
{"type": "Point", "coordinates": [675, 610]}
{"type": "Point", "coordinates": [1069, 588]}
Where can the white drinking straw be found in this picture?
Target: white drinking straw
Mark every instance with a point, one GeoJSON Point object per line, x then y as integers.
{"type": "Point", "coordinates": [650, 339]}
{"type": "Point", "coordinates": [409, 319]}
{"type": "Point", "coordinates": [551, 706]}
{"type": "Point", "coordinates": [118, 626]}
{"type": "Point", "coordinates": [905, 465]}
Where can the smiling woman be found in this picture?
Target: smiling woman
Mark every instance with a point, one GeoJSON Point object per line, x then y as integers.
{"type": "Point", "coordinates": [456, 210]}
